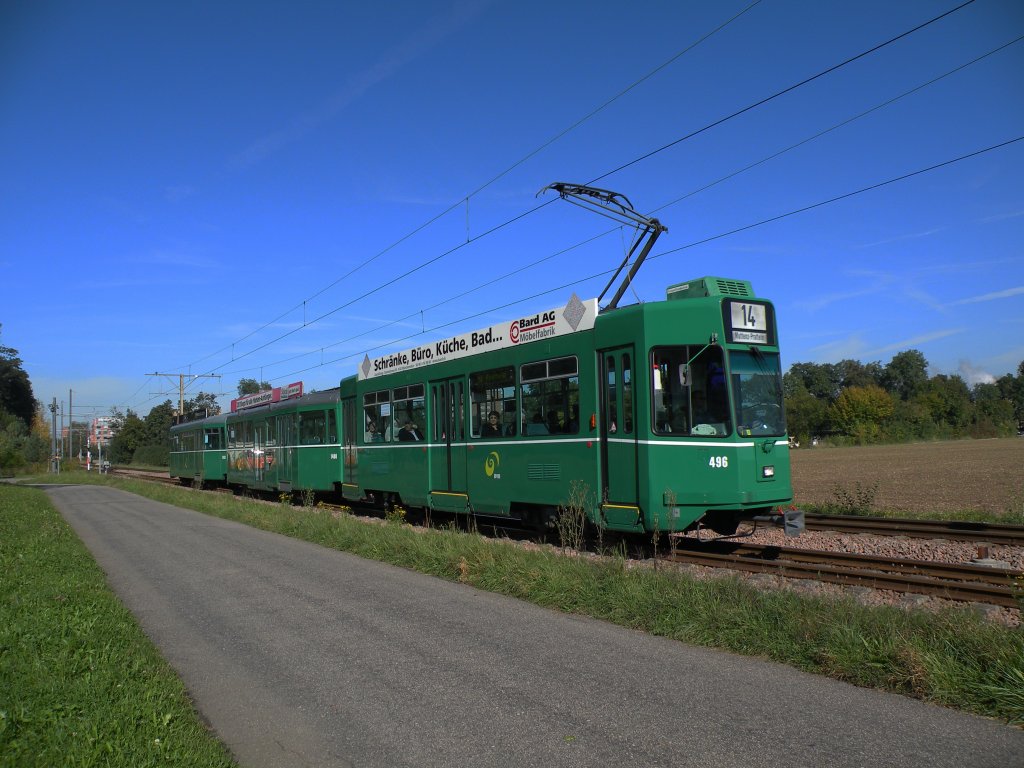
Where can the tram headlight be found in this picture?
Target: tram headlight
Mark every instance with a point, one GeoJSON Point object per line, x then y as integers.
{"type": "Point", "coordinates": [768, 471]}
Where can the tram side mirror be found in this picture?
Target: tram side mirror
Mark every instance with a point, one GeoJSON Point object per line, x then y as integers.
{"type": "Point", "coordinates": [684, 375]}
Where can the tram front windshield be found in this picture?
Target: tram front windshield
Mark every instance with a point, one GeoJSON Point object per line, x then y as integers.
{"type": "Point", "coordinates": [757, 389]}
{"type": "Point", "coordinates": [688, 391]}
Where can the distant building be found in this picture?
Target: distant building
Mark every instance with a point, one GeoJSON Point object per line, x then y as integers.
{"type": "Point", "coordinates": [101, 431]}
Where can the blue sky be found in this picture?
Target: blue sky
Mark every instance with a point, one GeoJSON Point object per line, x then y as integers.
{"type": "Point", "coordinates": [188, 186]}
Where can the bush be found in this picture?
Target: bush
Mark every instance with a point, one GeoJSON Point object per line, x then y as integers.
{"type": "Point", "coordinates": [152, 455]}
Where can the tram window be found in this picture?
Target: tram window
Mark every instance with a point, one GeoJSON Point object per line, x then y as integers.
{"type": "Point", "coordinates": [410, 407]}
{"type": "Point", "coordinates": [551, 397]}
{"type": "Point", "coordinates": [377, 416]}
{"type": "Point", "coordinates": [212, 438]}
{"type": "Point", "coordinates": [627, 395]}
{"type": "Point", "coordinates": [270, 431]}
{"type": "Point", "coordinates": [757, 385]}
{"type": "Point", "coordinates": [439, 405]}
{"type": "Point", "coordinates": [332, 428]}
{"type": "Point", "coordinates": [493, 391]}
{"type": "Point", "coordinates": [286, 428]}
{"type": "Point", "coordinates": [688, 391]}
{"type": "Point", "coordinates": [349, 422]}
{"type": "Point", "coordinates": [311, 427]}
{"type": "Point", "coordinates": [612, 421]}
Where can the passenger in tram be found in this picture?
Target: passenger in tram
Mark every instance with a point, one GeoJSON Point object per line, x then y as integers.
{"type": "Point", "coordinates": [372, 435]}
{"type": "Point", "coordinates": [536, 426]}
{"type": "Point", "coordinates": [554, 425]}
{"type": "Point", "coordinates": [409, 433]}
{"type": "Point", "coordinates": [572, 426]}
{"type": "Point", "coordinates": [493, 426]}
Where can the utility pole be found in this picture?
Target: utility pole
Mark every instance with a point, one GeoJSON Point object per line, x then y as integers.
{"type": "Point", "coordinates": [54, 460]}
{"type": "Point", "coordinates": [182, 385]}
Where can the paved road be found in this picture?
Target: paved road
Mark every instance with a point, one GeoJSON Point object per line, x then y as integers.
{"type": "Point", "coordinates": [298, 655]}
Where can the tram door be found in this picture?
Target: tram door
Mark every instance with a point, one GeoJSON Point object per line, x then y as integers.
{"type": "Point", "coordinates": [618, 428]}
{"type": "Point", "coordinates": [448, 438]}
{"type": "Point", "coordinates": [348, 441]}
{"type": "Point", "coordinates": [286, 439]}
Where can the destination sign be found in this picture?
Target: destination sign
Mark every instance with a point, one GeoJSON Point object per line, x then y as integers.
{"type": "Point", "coordinates": [749, 323]}
{"type": "Point", "coordinates": [573, 317]}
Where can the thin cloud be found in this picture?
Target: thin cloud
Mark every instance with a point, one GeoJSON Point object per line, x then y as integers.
{"type": "Point", "coordinates": [1012, 357]}
{"type": "Point", "coordinates": [850, 348]}
{"type": "Point", "coordinates": [172, 258]}
{"type": "Point", "coordinates": [903, 238]}
{"type": "Point", "coordinates": [960, 267]}
{"type": "Point", "coordinates": [393, 60]}
{"type": "Point", "coordinates": [925, 298]}
{"type": "Point", "coordinates": [827, 299]}
{"type": "Point", "coordinates": [917, 341]}
{"type": "Point", "coordinates": [1002, 216]}
{"type": "Point", "coordinates": [139, 282]}
{"type": "Point", "coordinates": [995, 296]}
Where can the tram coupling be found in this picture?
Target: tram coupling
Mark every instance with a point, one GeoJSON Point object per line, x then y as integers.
{"type": "Point", "coordinates": [791, 521]}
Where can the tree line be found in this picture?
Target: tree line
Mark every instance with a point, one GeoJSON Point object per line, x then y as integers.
{"type": "Point", "coordinates": [24, 435]}
{"type": "Point", "coordinates": [860, 403]}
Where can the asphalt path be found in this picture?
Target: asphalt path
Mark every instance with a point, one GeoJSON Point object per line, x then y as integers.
{"type": "Point", "coordinates": [298, 655]}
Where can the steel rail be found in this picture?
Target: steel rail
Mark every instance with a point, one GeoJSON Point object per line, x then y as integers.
{"type": "Point", "coordinates": [965, 583]}
{"type": "Point", "coordinates": [957, 530]}
{"type": "Point", "coordinates": [142, 474]}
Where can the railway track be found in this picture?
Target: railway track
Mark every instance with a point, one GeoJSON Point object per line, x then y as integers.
{"type": "Point", "coordinates": [142, 474]}
{"type": "Point", "coordinates": [950, 581]}
{"type": "Point", "coordinates": [957, 530]}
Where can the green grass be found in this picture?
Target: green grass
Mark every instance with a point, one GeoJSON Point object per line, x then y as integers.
{"type": "Point", "coordinates": [954, 658]}
{"type": "Point", "coordinates": [80, 684]}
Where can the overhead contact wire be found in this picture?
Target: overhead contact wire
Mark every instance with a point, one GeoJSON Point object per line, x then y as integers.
{"type": "Point", "coordinates": [465, 199]}
{"type": "Point", "coordinates": [659, 208]}
{"type": "Point", "coordinates": [703, 241]}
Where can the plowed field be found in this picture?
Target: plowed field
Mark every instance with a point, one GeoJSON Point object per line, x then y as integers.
{"type": "Point", "coordinates": [944, 476]}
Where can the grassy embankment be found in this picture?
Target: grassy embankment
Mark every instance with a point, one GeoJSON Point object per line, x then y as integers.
{"type": "Point", "coordinates": [954, 658]}
{"type": "Point", "coordinates": [80, 684]}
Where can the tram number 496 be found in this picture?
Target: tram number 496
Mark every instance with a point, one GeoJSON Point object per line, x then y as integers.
{"type": "Point", "coordinates": [718, 462]}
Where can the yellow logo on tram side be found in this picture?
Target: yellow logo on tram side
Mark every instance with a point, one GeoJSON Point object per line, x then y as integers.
{"type": "Point", "coordinates": [491, 465]}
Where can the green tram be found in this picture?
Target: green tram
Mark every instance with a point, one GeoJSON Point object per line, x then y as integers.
{"type": "Point", "coordinates": [658, 416]}
{"type": "Point", "coordinates": [199, 451]}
